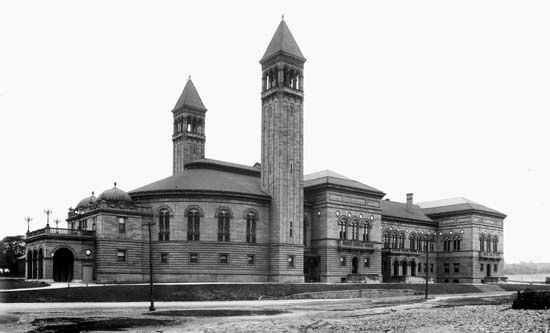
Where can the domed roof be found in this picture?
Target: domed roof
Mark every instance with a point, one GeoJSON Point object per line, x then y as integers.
{"type": "Point", "coordinates": [115, 194]}
{"type": "Point", "coordinates": [86, 202]}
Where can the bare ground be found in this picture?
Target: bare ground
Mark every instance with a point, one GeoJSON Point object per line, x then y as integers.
{"type": "Point", "coordinates": [473, 313]}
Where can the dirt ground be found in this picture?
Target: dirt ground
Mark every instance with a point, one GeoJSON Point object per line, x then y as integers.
{"type": "Point", "coordinates": [456, 313]}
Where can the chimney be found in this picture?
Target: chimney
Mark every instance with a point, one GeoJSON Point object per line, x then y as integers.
{"type": "Point", "coordinates": [409, 201]}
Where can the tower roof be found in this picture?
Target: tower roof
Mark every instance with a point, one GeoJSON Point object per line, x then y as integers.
{"type": "Point", "coordinates": [190, 97]}
{"type": "Point", "coordinates": [283, 42]}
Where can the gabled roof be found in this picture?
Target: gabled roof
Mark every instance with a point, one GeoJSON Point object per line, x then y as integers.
{"type": "Point", "coordinates": [399, 210]}
{"type": "Point", "coordinates": [284, 42]}
{"type": "Point", "coordinates": [327, 177]}
{"type": "Point", "coordinates": [455, 205]}
{"type": "Point", "coordinates": [190, 97]}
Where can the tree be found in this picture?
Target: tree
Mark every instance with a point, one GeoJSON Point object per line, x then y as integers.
{"type": "Point", "coordinates": [11, 248]}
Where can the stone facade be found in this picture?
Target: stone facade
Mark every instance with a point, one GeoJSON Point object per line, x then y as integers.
{"type": "Point", "coordinates": [218, 221]}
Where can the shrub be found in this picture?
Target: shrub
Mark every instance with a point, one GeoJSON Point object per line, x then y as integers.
{"type": "Point", "coordinates": [532, 300]}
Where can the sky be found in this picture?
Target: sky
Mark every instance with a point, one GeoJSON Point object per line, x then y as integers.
{"type": "Point", "coordinates": [438, 98]}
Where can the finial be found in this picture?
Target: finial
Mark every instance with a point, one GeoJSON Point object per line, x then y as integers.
{"type": "Point", "coordinates": [115, 184]}
{"type": "Point", "coordinates": [282, 17]}
{"type": "Point", "coordinates": [93, 193]}
{"type": "Point", "coordinates": [189, 77]}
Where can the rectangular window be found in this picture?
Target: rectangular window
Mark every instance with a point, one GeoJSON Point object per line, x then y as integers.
{"type": "Point", "coordinates": [223, 258]}
{"type": "Point", "coordinates": [84, 224]}
{"type": "Point", "coordinates": [193, 258]}
{"type": "Point", "coordinates": [456, 268]}
{"type": "Point", "coordinates": [481, 267]}
{"type": "Point", "coordinates": [122, 226]}
{"type": "Point", "coordinates": [495, 267]}
{"type": "Point", "coordinates": [250, 259]}
{"type": "Point", "coordinates": [419, 268]}
{"type": "Point", "coordinates": [290, 261]}
{"type": "Point", "coordinates": [121, 255]}
{"type": "Point", "coordinates": [164, 258]}
{"type": "Point", "coordinates": [342, 261]}
{"type": "Point", "coordinates": [290, 231]}
{"type": "Point", "coordinates": [366, 262]}
{"type": "Point", "coordinates": [446, 268]}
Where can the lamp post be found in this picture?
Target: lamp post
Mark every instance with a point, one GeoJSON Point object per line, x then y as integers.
{"type": "Point", "coordinates": [47, 212]}
{"type": "Point", "coordinates": [28, 219]}
{"type": "Point", "coordinates": [149, 223]}
{"type": "Point", "coordinates": [427, 266]}
{"type": "Point", "coordinates": [56, 224]}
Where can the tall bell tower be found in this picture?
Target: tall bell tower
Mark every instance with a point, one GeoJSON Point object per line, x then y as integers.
{"type": "Point", "coordinates": [189, 123]}
{"type": "Point", "coordinates": [282, 152]}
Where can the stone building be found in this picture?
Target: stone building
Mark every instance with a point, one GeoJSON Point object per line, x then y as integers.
{"type": "Point", "coordinates": [219, 221]}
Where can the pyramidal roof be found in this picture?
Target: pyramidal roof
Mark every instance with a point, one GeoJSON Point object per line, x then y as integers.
{"type": "Point", "coordinates": [190, 97]}
{"type": "Point", "coordinates": [283, 42]}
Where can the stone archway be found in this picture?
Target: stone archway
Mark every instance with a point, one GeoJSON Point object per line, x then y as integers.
{"type": "Point", "coordinates": [63, 264]}
{"type": "Point", "coordinates": [40, 264]}
{"type": "Point", "coordinates": [29, 264]}
{"type": "Point", "coordinates": [354, 265]}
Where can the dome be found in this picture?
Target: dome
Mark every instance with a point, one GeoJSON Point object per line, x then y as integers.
{"type": "Point", "coordinates": [86, 202]}
{"type": "Point", "coordinates": [115, 195]}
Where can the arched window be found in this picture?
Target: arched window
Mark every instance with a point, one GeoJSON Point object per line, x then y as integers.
{"type": "Point", "coordinates": [495, 244]}
{"type": "Point", "coordinates": [394, 241]}
{"type": "Point", "coordinates": [481, 244]}
{"type": "Point", "coordinates": [366, 234]}
{"type": "Point", "coordinates": [193, 224]}
{"type": "Point", "coordinates": [419, 243]}
{"type": "Point", "coordinates": [386, 240]}
{"type": "Point", "coordinates": [223, 225]}
{"type": "Point", "coordinates": [488, 244]}
{"type": "Point", "coordinates": [354, 230]}
{"type": "Point", "coordinates": [251, 227]}
{"type": "Point", "coordinates": [343, 226]}
{"type": "Point", "coordinates": [412, 243]}
{"type": "Point", "coordinates": [164, 225]}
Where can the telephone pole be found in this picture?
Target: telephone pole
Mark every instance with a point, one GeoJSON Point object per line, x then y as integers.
{"type": "Point", "coordinates": [149, 223]}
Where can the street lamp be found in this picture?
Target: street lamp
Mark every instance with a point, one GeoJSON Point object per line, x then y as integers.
{"type": "Point", "coordinates": [28, 219]}
{"type": "Point", "coordinates": [47, 212]}
{"type": "Point", "coordinates": [56, 224]}
{"type": "Point", "coordinates": [149, 223]}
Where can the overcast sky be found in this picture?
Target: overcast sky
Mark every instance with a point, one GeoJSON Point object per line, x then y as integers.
{"type": "Point", "coordinates": [439, 98]}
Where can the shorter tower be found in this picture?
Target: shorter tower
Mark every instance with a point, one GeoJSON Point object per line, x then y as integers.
{"type": "Point", "coordinates": [189, 124]}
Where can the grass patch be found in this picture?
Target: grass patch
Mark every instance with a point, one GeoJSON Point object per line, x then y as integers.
{"type": "Point", "coordinates": [6, 284]}
{"type": "Point", "coordinates": [500, 300]}
{"type": "Point", "coordinates": [208, 292]}
{"type": "Point", "coordinates": [522, 287]}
